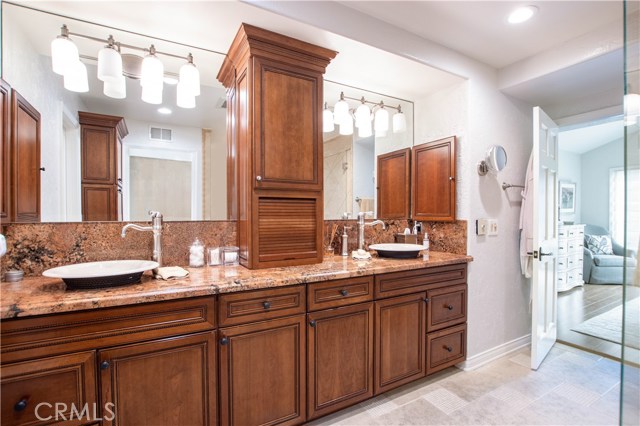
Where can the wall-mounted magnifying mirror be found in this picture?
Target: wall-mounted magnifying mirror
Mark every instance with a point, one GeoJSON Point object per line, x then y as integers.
{"type": "Point", "coordinates": [495, 160]}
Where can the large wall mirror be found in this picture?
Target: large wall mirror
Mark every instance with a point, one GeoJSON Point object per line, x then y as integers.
{"type": "Point", "coordinates": [184, 174]}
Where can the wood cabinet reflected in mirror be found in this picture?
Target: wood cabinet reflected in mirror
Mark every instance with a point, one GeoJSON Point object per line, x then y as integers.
{"type": "Point", "coordinates": [394, 181]}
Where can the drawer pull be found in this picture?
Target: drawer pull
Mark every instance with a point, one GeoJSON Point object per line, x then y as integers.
{"type": "Point", "coordinates": [104, 365]}
{"type": "Point", "coordinates": [426, 300]}
{"type": "Point", "coordinates": [448, 348]}
{"type": "Point", "coordinates": [449, 307]}
{"type": "Point", "coordinates": [266, 305]}
{"type": "Point", "coordinates": [22, 404]}
{"type": "Point", "coordinates": [312, 323]}
{"type": "Point", "coordinates": [224, 341]}
{"type": "Point", "coordinates": [344, 292]}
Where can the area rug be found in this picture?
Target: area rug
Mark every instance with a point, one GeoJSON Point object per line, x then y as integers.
{"type": "Point", "coordinates": [608, 326]}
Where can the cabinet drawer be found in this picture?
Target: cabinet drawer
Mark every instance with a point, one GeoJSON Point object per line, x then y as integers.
{"type": "Point", "coordinates": [68, 379]}
{"type": "Point", "coordinates": [563, 247]}
{"type": "Point", "coordinates": [447, 306]}
{"type": "Point", "coordinates": [250, 306]}
{"type": "Point", "coordinates": [563, 263]}
{"type": "Point", "coordinates": [46, 335]}
{"type": "Point", "coordinates": [446, 348]}
{"type": "Point", "coordinates": [398, 283]}
{"type": "Point", "coordinates": [336, 293]}
{"type": "Point", "coordinates": [576, 246]}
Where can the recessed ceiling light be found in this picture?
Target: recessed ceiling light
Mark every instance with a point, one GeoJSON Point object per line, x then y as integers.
{"type": "Point", "coordinates": [164, 110]}
{"type": "Point", "coordinates": [522, 14]}
{"type": "Point", "coordinates": [170, 80]}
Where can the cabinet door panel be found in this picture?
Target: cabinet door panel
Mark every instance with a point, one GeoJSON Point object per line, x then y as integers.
{"type": "Point", "coordinates": [162, 382]}
{"type": "Point", "coordinates": [289, 144]}
{"type": "Point", "coordinates": [340, 366]}
{"type": "Point", "coordinates": [99, 202]}
{"type": "Point", "coordinates": [262, 373]}
{"type": "Point", "coordinates": [400, 341]}
{"type": "Point", "coordinates": [393, 184]}
{"type": "Point", "coordinates": [43, 383]}
{"type": "Point", "coordinates": [98, 154]}
{"type": "Point", "coordinates": [25, 151]}
{"type": "Point", "coordinates": [433, 171]}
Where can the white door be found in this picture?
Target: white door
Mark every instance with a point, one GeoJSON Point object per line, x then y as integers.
{"type": "Point", "coordinates": [545, 236]}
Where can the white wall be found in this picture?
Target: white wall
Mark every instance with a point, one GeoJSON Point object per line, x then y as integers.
{"type": "Point", "coordinates": [364, 163]}
{"type": "Point", "coordinates": [30, 74]}
{"type": "Point", "coordinates": [570, 170]}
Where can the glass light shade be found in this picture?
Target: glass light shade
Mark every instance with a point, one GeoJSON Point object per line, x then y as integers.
{"type": "Point", "coordinates": [363, 116]}
{"type": "Point", "coordinates": [381, 124]}
{"type": "Point", "coordinates": [109, 64]}
{"type": "Point", "coordinates": [64, 54]}
{"type": "Point", "coordinates": [190, 77]}
{"type": "Point", "coordinates": [327, 121]}
{"type": "Point", "coordinates": [346, 126]}
{"type": "Point", "coordinates": [75, 79]}
{"type": "Point", "coordinates": [364, 130]}
{"type": "Point", "coordinates": [152, 93]}
{"type": "Point", "coordinates": [185, 97]}
{"type": "Point", "coordinates": [399, 123]}
{"type": "Point", "coordinates": [152, 72]}
{"type": "Point", "coordinates": [116, 89]}
{"type": "Point", "coordinates": [341, 112]}
{"type": "Point", "coordinates": [631, 109]}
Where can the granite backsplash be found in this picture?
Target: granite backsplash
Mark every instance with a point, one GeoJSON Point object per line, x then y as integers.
{"type": "Point", "coordinates": [36, 247]}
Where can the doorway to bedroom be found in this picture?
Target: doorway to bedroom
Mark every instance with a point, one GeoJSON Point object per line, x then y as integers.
{"type": "Point", "coordinates": [591, 259]}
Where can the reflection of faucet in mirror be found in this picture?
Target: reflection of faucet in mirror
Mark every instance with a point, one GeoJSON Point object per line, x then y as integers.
{"type": "Point", "coordinates": [362, 224]}
{"type": "Point", "coordinates": [156, 228]}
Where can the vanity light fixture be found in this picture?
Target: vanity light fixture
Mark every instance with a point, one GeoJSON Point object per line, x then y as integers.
{"type": "Point", "coordinates": [327, 120]}
{"type": "Point", "coordinates": [114, 66]}
{"type": "Point", "coordinates": [522, 14]}
{"type": "Point", "coordinates": [342, 114]}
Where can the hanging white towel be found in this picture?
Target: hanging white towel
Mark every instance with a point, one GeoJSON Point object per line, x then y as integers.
{"type": "Point", "coordinates": [526, 223]}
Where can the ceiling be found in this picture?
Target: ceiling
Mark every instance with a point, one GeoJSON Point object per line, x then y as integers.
{"type": "Point", "coordinates": [587, 138]}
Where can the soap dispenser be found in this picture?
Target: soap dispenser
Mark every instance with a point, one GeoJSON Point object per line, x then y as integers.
{"type": "Point", "coordinates": [345, 241]}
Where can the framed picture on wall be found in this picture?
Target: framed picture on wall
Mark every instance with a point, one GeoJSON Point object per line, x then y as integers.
{"type": "Point", "coordinates": [567, 197]}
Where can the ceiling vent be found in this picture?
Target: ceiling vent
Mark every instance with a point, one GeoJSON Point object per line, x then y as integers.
{"type": "Point", "coordinates": [159, 134]}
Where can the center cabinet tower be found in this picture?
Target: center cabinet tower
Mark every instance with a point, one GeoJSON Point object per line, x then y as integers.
{"type": "Point", "coordinates": [274, 146]}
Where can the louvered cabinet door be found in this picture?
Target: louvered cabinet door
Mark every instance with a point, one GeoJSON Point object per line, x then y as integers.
{"type": "Point", "coordinates": [288, 230]}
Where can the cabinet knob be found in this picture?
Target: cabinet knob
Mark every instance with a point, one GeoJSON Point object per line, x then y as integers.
{"type": "Point", "coordinates": [104, 365]}
{"type": "Point", "coordinates": [450, 307]}
{"type": "Point", "coordinates": [451, 178]}
{"type": "Point", "coordinates": [224, 341]}
{"type": "Point", "coordinates": [42, 169]}
{"type": "Point", "coordinates": [426, 300]}
{"type": "Point", "coordinates": [22, 404]}
{"type": "Point", "coordinates": [344, 292]}
{"type": "Point", "coordinates": [448, 348]}
{"type": "Point", "coordinates": [312, 323]}
{"type": "Point", "coordinates": [266, 304]}
{"type": "Point", "coordinates": [258, 178]}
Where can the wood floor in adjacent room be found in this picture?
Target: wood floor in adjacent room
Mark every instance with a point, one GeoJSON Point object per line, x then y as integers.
{"type": "Point", "coordinates": [582, 303]}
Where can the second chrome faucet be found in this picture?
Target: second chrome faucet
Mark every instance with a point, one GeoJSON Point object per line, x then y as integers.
{"type": "Point", "coordinates": [156, 228]}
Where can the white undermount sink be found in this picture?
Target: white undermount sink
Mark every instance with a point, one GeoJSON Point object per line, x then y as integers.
{"type": "Point", "coordinates": [397, 250]}
{"type": "Point", "coordinates": [93, 275]}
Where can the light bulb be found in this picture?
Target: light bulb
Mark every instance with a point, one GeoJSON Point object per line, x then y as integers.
{"type": "Point", "coordinates": [116, 89]}
{"type": "Point", "coordinates": [109, 64]}
{"type": "Point", "coordinates": [399, 123]}
{"type": "Point", "coordinates": [327, 121]}
{"type": "Point", "coordinates": [64, 53]}
{"type": "Point", "coordinates": [75, 78]}
{"type": "Point", "coordinates": [184, 97]}
{"type": "Point", "coordinates": [381, 124]}
{"type": "Point", "coordinates": [190, 77]}
{"type": "Point", "coordinates": [363, 116]}
{"type": "Point", "coordinates": [152, 69]}
{"type": "Point", "coordinates": [341, 112]}
{"type": "Point", "coordinates": [152, 93]}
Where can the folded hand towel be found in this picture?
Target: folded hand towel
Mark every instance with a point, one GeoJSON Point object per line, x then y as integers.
{"type": "Point", "coordinates": [360, 255]}
{"type": "Point", "coordinates": [170, 272]}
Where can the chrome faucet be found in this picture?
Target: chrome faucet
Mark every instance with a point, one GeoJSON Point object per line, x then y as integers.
{"type": "Point", "coordinates": [156, 228]}
{"type": "Point", "coordinates": [362, 224]}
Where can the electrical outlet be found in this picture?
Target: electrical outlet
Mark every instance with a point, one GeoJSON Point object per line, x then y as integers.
{"type": "Point", "coordinates": [482, 226]}
{"type": "Point", "coordinates": [492, 227]}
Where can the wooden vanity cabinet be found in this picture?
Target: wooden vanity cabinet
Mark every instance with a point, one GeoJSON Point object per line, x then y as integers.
{"type": "Point", "coordinates": [5, 131]}
{"type": "Point", "coordinates": [101, 165]}
{"type": "Point", "coordinates": [274, 92]}
{"type": "Point", "coordinates": [393, 183]}
{"type": "Point", "coordinates": [433, 177]}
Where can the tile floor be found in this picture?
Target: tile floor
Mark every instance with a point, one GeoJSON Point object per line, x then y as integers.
{"type": "Point", "coordinates": [571, 387]}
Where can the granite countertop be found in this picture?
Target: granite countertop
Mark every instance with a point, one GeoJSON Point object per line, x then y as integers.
{"type": "Point", "coordinates": [42, 296]}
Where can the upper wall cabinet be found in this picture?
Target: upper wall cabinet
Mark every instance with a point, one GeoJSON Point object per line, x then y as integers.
{"type": "Point", "coordinates": [274, 98]}
{"type": "Point", "coordinates": [434, 181]}
{"type": "Point", "coordinates": [393, 184]}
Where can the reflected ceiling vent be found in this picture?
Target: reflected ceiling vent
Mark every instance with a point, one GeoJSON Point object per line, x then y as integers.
{"type": "Point", "coordinates": [159, 134]}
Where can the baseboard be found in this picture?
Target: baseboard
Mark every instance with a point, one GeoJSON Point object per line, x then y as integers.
{"type": "Point", "coordinates": [499, 351]}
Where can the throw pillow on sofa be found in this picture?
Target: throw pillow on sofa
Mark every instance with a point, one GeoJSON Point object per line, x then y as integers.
{"type": "Point", "coordinates": [599, 244]}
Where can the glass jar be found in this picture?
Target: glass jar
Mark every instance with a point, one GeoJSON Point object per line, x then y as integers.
{"type": "Point", "coordinates": [196, 254]}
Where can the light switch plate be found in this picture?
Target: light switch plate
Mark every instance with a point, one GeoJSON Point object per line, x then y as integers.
{"type": "Point", "coordinates": [492, 227]}
{"type": "Point", "coordinates": [482, 226]}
